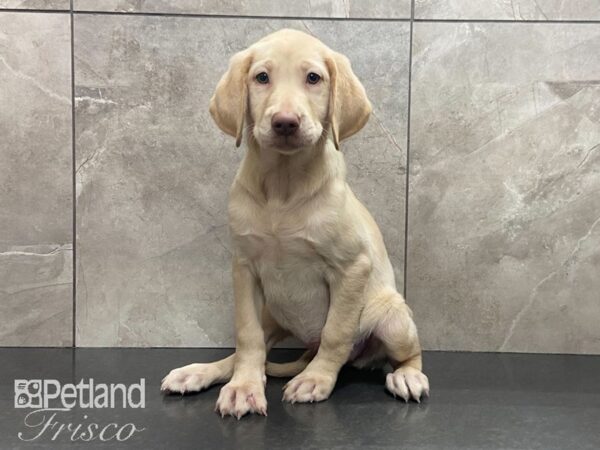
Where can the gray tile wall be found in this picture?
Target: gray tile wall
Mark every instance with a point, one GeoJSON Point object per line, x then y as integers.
{"type": "Point", "coordinates": [503, 166]}
{"type": "Point", "coordinates": [518, 10]}
{"type": "Point", "coordinates": [35, 180]}
{"type": "Point", "coordinates": [153, 171]}
{"type": "Point", "coordinates": [504, 204]}
{"type": "Point", "coordinates": [290, 8]}
{"type": "Point", "coordinates": [35, 4]}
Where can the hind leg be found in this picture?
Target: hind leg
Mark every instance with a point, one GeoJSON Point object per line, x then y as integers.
{"type": "Point", "coordinates": [391, 321]}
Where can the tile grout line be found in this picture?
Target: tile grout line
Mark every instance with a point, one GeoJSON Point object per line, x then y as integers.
{"type": "Point", "coordinates": [206, 15]}
{"type": "Point", "coordinates": [35, 11]}
{"type": "Point", "coordinates": [407, 172]}
{"type": "Point", "coordinates": [73, 184]}
{"type": "Point", "coordinates": [243, 16]}
{"type": "Point", "coordinates": [233, 16]}
{"type": "Point", "coordinates": [532, 21]}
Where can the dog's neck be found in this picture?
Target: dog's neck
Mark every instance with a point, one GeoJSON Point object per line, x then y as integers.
{"type": "Point", "coordinates": [274, 177]}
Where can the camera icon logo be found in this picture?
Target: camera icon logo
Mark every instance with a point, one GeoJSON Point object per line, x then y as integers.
{"type": "Point", "coordinates": [28, 394]}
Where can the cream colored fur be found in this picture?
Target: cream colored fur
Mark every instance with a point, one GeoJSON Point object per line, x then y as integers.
{"type": "Point", "coordinates": [308, 259]}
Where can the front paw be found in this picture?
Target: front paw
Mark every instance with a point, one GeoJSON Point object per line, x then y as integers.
{"type": "Point", "coordinates": [190, 378]}
{"type": "Point", "coordinates": [237, 398]}
{"type": "Point", "coordinates": [309, 387]}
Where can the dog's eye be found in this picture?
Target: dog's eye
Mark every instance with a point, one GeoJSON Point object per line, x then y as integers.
{"type": "Point", "coordinates": [313, 78]}
{"type": "Point", "coordinates": [262, 78]}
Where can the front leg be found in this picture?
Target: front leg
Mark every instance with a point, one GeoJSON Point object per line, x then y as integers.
{"type": "Point", "coordinates": [245, 392]}
{"type": "Point", "coordinates": [347, 291]}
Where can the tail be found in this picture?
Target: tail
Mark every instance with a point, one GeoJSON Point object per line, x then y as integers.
{"type": "Point", "coordinates": [289, 369]}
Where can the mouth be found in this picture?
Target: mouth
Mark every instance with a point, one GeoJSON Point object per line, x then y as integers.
{"type": "Point", "coordinates": [287, 144]}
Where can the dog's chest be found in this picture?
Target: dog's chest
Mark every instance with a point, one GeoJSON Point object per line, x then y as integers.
{"type": "Point", "coordinates": [292, 274]}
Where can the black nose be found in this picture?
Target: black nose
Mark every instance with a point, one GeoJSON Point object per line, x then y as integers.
{"type": "Point", "coordinates": [285, 124]}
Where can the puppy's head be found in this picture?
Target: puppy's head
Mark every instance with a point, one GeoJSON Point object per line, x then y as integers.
{"type": "Point", "coordinates": [289, 90]}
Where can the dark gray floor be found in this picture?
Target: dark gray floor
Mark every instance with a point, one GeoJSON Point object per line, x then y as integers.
{"type": "Point", "coordinates": [478, 401]}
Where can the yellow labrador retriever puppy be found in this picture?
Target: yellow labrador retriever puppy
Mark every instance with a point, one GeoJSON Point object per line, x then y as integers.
{"type": "Point", "coordinates": [308, 259]}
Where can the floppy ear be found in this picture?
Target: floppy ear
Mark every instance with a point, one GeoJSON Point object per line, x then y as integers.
{"type": "Point", "coordinates": [349, 107]}
{"type": "Point", "coordinates": [229, 102]}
